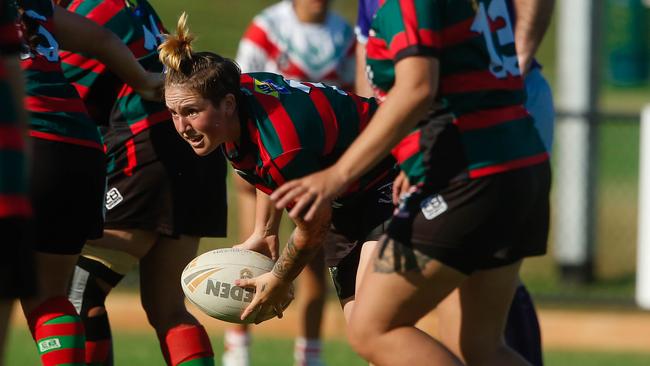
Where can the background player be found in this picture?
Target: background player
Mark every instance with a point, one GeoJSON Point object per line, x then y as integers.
{"type": "Point", "coordinates": [148, 218]}
{"type": "Point", "coordinates": [301, 40]}
{"type": "Point", "coordinates": [16, 275]}
{"type": "Point", "coordinates": [67, 165]}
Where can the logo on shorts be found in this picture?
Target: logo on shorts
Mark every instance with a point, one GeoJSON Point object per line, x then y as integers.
{"type": "Point", "coordinates": [49, 344]}
{"type": "Point", "coordinates": [113, 198]}
{"type": "Point", "coordinates": [433, 206]}
{"type": "Point", "coordinates": [385, 193]}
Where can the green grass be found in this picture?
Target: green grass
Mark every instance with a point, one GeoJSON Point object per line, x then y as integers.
{"type": "Point", "coordinates": [142, 349]}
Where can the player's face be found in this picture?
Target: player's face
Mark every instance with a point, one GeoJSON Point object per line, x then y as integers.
{"type": "Point", "coordinates": [314, 7]}
{"type": "Point", "coordinates": [196, 119]}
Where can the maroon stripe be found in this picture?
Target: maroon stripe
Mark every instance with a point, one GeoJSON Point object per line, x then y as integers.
{"type": "Point", "coordinates": [52, 330]}
{"type": "Point", "coordinates": [97, 351]}
{"type": "Point", "coordinates": [478, 81]}
{"type": "Point", "coordinates": [131, 159]}
{"type": "Point", "coordinates": [149, 121]}
{"type": "Point", "coordinates": [409, 146]}
{"type": "Point", "coordinates": [281, 121]}
{"type": "Point", "coordinates": [105, 11]}
{"type": "Point", "coordinates": [66, 139]}
{"type": "Point", "coordinates": [14, 206]}
{"type": "Point", "coordinates": [509, 165]}
{"type": "Point", "coordinates": [64, 356]}
{"type": "Point", "coordinates": [54, 104]}
{"type": "Point", "coordinates": [490, 117]}
{"type": "Point", "coordinates": [327, 116]}
{"type": "Point", "coordinates": [11, 138]}
{"type": "Point", "coordinates": [410, 20]}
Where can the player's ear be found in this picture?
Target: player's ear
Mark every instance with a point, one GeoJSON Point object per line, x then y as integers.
{"type": "Point", "coordinates": [229, 103]}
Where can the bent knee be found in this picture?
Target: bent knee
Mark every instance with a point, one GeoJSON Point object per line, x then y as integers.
{"type": "Point", "coordinates": [362, 338]}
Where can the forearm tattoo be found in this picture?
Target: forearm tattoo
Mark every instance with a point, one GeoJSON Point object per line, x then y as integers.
{"type": "Point", "coordinates": [293, 260]}
{"type": "Point", "coordinates": [395, 257]}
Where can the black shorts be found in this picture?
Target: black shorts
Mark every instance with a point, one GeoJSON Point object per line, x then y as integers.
{"type": "Point", "coordinates": [67, 192]}
{"type": "Point", "coordinates": [156, 182]}
{"type": "Point", "coordinates": [17, 277]}
{"type": "Point", "coordinates": [355, 220]}
{"type": "Point", "coordinates": [476, 224]}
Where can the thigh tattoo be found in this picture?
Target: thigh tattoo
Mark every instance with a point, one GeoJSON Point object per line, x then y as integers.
{"type": "Point", "coordinates": [395, 257]}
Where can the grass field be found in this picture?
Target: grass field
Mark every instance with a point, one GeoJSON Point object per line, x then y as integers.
{"type": "Point", "coordinates": [137, 348]}
{"type": "Point", "coordinates": [220, 23]}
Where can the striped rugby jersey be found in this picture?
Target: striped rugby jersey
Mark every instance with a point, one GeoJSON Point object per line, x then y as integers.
{"type": "Point", "coordinates": [111, 102]}
{"type": "Point", "coordinates": [480, 82]}
{"type": "Point", "coordinates": [291, 129]}
{"type": "Point", "coordinates": [277, 41]}
{"type": "Point", "coordinates": [57, 112]}
{"type": "Point", "coordinates": [13, 172]}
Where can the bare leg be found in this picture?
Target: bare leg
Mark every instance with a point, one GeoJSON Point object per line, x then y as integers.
{"type": "Point", "coordinates": [182, 338]}
{"type": "Point", "coordinates": [389, 304]}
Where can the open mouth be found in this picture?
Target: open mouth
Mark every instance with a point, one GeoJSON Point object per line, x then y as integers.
{"type": "Point", "coordinates": [194, 140]}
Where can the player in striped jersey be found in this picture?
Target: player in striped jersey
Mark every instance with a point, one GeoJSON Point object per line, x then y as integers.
{"type": "Point", "coordinates": [273, 129]}
{"type": "Point", "coordinates": [301, 40]}
{"type": "Point", "coordinates": [16, 275]}
{"type": "Point", "coordinates": [479, 203]}
{"type": "Point", "coordinates": [67, 167]}
{"type": "Point", "coordinates": [149, 170]}
{"type": "Point", "coordinates": [530, 21]}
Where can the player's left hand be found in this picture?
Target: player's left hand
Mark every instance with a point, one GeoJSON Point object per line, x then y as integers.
{"type": "Point", "coordinates": [309, 194]}
{"type": "Point", "coordinates": [270, 292]}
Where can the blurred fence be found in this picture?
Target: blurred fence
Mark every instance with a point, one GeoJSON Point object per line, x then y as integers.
{"type": "Point", "coordinates": [615, 226]}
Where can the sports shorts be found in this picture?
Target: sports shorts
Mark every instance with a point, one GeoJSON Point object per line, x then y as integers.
{"type": "Point", "coordinates": [156, 182]}
{"type": "Point", "coordinates": [355, 220]}
{"type": "Point", "coordinates": [67, 192]}
{"type": "Point", "coordinates": [477, 224]}
{"type": "Point", "coordinates": [17, 276]}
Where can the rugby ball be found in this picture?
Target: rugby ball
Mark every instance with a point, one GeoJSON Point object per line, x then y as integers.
{"type": "Point", "coordinates": [208, 282]}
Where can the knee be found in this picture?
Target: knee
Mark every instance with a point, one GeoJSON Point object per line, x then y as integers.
{"type": "Point", "coordinates": [361, 338]}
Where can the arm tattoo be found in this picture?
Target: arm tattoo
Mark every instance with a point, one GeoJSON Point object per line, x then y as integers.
{"type": "Point", "coordinates": [293, 260]}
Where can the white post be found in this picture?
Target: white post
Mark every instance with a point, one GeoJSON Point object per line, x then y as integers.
{"type": "Point", "coordinates": [643, 243]}
{"type": "Point", "coordinates": [575, 145]}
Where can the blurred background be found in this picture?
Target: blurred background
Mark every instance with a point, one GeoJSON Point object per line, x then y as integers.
{"type": "Point", "coordinates": [576, 297]}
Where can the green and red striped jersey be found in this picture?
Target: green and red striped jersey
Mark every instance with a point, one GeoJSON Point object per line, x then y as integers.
{"type": "Point", "coordinates": [479, 81]}
{"type": "Point", "coordinates": [110, 101]}
{"type": "Point", "coordinates": [56, 111]}
{"type": "Point", "coordinates": [291, 129]}
{"type": "Point", "coordinates": [13, 174]}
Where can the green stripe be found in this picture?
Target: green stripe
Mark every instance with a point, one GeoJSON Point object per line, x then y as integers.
{"type": "Point", "coordinates": [66, 124]}
{"type": "Point", "coordinates": [52, 344]}
{"type": "Point", "coordinates": [198, 362]}
{"type": "Point", "coordinates": [64, 319]}
{"type": "Point", "coordinates": [414, 168]}
{"type": "Point", "coordinates": [123, 26]}
{"type": "Point", "coordinates": [502, 143]}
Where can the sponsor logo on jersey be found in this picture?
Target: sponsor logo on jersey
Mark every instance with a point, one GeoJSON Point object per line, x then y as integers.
{"type": "Point", "coordinates": [433, 206]}
{"type": "Point", "coordinates": [49, 344]}
{"type": "Point", "coordinates": [269, 88]}
{"type": "Point", "coordinates": [113, 198]}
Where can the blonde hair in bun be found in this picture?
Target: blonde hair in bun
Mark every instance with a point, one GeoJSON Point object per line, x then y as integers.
{"type": "Point", "coordinates": [176, 48]}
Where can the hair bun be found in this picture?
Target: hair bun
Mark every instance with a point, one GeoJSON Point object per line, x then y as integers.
{"type": "Point", "coordinates": [176, 48]}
